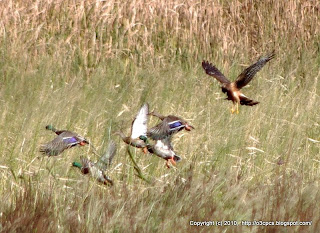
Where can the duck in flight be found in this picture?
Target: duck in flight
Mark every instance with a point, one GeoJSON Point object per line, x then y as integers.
{"type": "Point", "coordinates": [138, 128]}
{"type": "Point", "coordinates": [232, 89]}
{"type": "Point", "coordinates": [65, 140]}
{"type": "Point", "coordinates": [163, 149]}
{"type": "Point", "coordinates": [97, 169]}
{"type": "Point", "coordinates": [168, 126]}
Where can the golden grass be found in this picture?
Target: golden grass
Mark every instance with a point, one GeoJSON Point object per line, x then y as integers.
{"type": "Point", "coordinates": [88, 66]}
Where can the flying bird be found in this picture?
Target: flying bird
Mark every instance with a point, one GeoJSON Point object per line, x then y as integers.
{"type": "Point", "coordinates": [138, 128]}
{"type": "Point", "coordinates": [232, 89]}
{"type": "Point", "coordinates": [168, 126]}
{"type": "Point", "coordinates": [97, 169]}
{"type": "Point", "coordinates": [163, 149]}
{"type": "Point", "coordinates": [65, 140]}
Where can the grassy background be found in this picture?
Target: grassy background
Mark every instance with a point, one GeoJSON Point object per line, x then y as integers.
{"type": "Point", "coordinates": [88, 66]}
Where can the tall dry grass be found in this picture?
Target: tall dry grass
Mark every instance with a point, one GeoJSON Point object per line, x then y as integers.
{"type": "Point", "coordinates": [88, 66]}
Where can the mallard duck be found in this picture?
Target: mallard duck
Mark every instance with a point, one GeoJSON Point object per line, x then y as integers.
{"type": "Point", "coordinates": [64, 140]}
{"type": "Point", "coordinates": [97, 170]}
{"type": "Point", "coordinates": [232, 89]}
{"type": "Point", "coordinates": [169, 126]}
{"type": "Point", "coordinates": [163, 149]}
{"type": "Point", "coordinates": [138, 128]}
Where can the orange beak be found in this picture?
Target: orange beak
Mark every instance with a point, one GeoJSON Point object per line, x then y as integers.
{"type": "Point", "coordinates": [82, 143]}
{"type": "Point", "coordinates": [188, 127]}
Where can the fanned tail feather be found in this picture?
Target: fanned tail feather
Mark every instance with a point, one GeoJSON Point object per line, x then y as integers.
{"type": "Point", "coordinates": [246, 101]}
{"type": "Point", "coordinates": [177, 158]}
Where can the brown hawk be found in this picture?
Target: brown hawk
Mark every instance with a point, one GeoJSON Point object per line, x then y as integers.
{"type": "Point", "coordinates": [232, 89]}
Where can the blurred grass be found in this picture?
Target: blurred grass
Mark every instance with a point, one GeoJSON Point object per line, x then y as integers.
{"type": "Point", "coordinates": [88, 66]}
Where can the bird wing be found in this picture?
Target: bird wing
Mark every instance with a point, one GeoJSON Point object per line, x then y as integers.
{"type": "Point", "coordinates": [70, 134]}
{"type": "Point", "coordinates": [54, 147]}
{"type": "Point", "coordinates": [247, 75]}
{"type": "Point", "coordinates": [160, 131]}
{"type": "Point", "coordinates": [86, 165]}
{"type": "Point", "coordinates": [214, 72]}
{"type": "Point", "coordinates": [58, 145]}
{"type": "Point", "coordinates": [105, 160]}
{"type": "Point", "coordinates": [167, 127]}
{"type": "Point", "coordinates": [139, 124]}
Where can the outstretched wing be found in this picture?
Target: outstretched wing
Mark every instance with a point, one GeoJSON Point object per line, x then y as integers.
{"type": "Point", "coordinates": [105, 160]}
{"type": "Point", "coordinates": [214, 72]}
{"type": "Point", "coordinates": [246, 76]}
{"type": "Point", "coordinates": [139, 124]}
{"type": "Point", "coordinates": [169, 126]}
{"type": "Point", "coordinates": [165, 129]}
{"type": "Point", "coordinates": [159, 131]}
{"type": "Point", "coordinates": [58, 145]}
{"type": "Point", "coordinates": [86, 165]}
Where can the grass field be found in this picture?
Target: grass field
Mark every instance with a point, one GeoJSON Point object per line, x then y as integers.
{"type": "Point", "coordinates": [88, 66]}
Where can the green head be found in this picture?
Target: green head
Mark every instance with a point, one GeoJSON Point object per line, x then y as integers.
{"type": "Point", "coordinates": [50, 127]}
{"type": "Point", "coordinates": [76, 164]}
{"type": "Point", "coordinates": [143, 138]}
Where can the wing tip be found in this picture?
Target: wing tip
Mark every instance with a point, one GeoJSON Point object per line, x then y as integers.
{"type": "Point", "coordinates": [270, 55]}
{"type": "Point", "coordinates": [205, 64]}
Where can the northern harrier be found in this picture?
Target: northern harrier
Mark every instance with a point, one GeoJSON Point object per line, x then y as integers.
{"type": "Point", "coordinates": [64, 140]}
{"type": "Point", "coordinates": [138, 128]}
{"type": "Point", "coordinates": [232, 89]}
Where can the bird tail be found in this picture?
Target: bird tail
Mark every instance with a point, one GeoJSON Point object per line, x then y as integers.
{"type": "Point", "coordinates": [246, 101]}
{"type": "Point", "coordinates": [177, 158]}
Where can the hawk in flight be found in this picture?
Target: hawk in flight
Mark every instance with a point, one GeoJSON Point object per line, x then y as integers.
{"type": "Point", "coordinates": [232, 89]}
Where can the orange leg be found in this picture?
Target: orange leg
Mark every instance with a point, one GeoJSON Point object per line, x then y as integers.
{"type": "Point", "coordinates": [171, 160]}
{"type": "Point", "coordinates": [235, 108]}
{"type": "Point", "coordinates": [232, 109]}
{"type": "Point", "coordinates": [145, 150]}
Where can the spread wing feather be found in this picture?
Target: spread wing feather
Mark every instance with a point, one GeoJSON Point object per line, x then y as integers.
{"type": "Point", "coordinates": [54, 147]}
{"type": "Point", "coordinates": [139, 124]}
{"type": "Point", "coordinates": [247, 75]}
{"type": "Point", "coordinates": [105, 160]}
{"type": "Point", "coordinates": [214, 72]}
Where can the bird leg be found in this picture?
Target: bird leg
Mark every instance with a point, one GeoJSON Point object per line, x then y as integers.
{"type": "Point", "coordinates": [235, 108]}
{"type": "Point", "coordinates": [145, 150]}
{"type": "Point", "coordinates": [232, 109]}
{"type": "Point", "coordinates": [172, 162]}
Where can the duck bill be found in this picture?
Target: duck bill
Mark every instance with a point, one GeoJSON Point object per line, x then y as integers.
{"type": "Point", "coordinates": [82, 143]}
{"type": "Point", "coordinates": [189, 127]}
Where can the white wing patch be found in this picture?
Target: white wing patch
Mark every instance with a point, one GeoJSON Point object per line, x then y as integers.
{"type": "Point", "coordinates": [139, 126]}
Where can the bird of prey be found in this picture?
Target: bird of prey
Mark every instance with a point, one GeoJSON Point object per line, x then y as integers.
{"type": "Point", "coordinates": [167, 127]}
{"type": "Point", "coordinates": [232, 89]}
{"type": "Point", "coordinates": [97, 169]}
{"type": "Point", "coordinates": [138, 128]}
{"type": "Point", "coordinates": [65, 140]}
{"type": "Point", "coordinates": [163, 149]}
